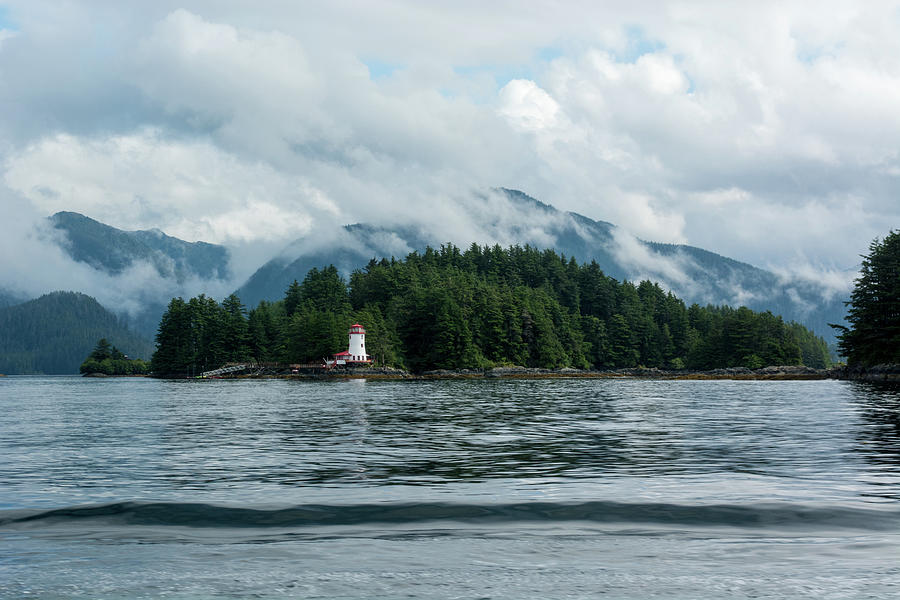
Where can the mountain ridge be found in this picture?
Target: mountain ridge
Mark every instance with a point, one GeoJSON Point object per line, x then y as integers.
{"type": "Point", "coordinates": [698, 275]}
{"type": "Point", "coordinates": [112, 250]}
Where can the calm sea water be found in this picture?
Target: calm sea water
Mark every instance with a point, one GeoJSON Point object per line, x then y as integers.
{"type": "Point", "coordinates": [140, 488]}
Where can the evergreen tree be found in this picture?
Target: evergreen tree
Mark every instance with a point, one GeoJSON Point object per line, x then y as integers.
{"type": "Point", "coordinates": [874, 308]}
{"type": "Point", "coordinates": [235, 333]}
{"type": "Point", "coordinates": [174, 347]}
{"type": "Point", "coordinates": [263, 332]}
{"type": "Point", "coordinates": [103, 350]}
{"type": "Point", "coordinates": [325, 290]}
{"type": "Point", "coordinates": [622, 348]}
{"type": "Point", "coordinates": [292, 298]}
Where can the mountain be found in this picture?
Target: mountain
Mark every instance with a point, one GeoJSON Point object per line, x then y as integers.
{"type": "Point", "coordinates": [8, 298]}
{"type": "Point", "coordinates": [181, 267]}
{"type": "Point", "coordinates": [354, 247]}
{"type": "Point", "coordinates": [54, 333]}
{"type": "Point", "coordinates": [112, 250]}
{"type": "Point", "coordinates": [692, 273]}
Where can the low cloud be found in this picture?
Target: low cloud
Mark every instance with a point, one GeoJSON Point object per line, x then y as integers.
{"type": "Point", "coordinates": [767, 133]}
{"type": "Point", "coordinates": [190, 189]}
{"type": "Point", "coordinates": [673, 272]}
{"type": "Point", "coordinates": [829, 282]}
{"type": "Point", "coordinates": [42, 266]}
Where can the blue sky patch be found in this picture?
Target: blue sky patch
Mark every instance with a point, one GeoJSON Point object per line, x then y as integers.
{"type": "Point", "coordinates": [549, 53]}
{"type": "Point", "coordinates": [638, 44]}
{"type": "Point", "coordinates": [379, 69]}
{"type": "Point", "coordinates": [502, 74]}
{"type": "Point", "coordinates": [809, 54]}
{"type": "Point", "coordinates": [5, 22]}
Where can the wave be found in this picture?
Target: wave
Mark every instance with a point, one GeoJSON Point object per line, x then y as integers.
{"type": "Point", "coordinates": [201, 515]}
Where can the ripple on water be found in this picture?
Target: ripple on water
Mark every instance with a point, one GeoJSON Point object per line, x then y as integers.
{"type": "Point", "coordinates": [522, 488]}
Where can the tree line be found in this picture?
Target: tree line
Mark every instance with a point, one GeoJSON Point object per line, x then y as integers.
{"type": "Point", "coordinates": [487, 306]}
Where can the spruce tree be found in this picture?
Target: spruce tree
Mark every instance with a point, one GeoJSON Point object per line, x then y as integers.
{"type": "Point", "coordinates": [874, 308]}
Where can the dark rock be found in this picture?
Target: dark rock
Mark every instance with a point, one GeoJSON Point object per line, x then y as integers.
{"type": "Point", "coordinates": [878, 373]}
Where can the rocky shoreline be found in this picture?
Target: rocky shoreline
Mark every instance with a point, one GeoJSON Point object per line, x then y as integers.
{"type": "Point", "coordinates": [104, 375]}
{"type": "Point", "coordinates": [789, 372]}
{"type": "Point", "coordinates": [880, 373]}
{"type": "Point", "coordinates": [777, 372]}
{"type": "Point", "coordinates": [887, 373]}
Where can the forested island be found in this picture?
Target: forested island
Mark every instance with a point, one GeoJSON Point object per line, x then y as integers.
{"type": "Point", "coordinates": [106, 359]}
{"type": "Point", "coordinates": [484, 307]}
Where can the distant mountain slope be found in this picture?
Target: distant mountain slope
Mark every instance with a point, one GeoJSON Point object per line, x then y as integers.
{"type": "Point", "coordinates": [8, 298]}
{"type": "Point", "coordinates": [694, 274]}
{"type": "Point", "coordinates": [355, 246]}
{"type": "Point", "coordinates": [54, 333]}
{"type": "Point", "coordinates": [113, 250]}
{"type": "Point", "coordinates": [181, 267]}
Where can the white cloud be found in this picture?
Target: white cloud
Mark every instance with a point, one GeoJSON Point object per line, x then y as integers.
{"type": "Point", "coordinates": [190, 189]}
{"type": "Point", "coordinates": [831, 282]}
{"type": "Point", "coordinates": [647, 265]}
{"type": "Point", "coordinates": [526, 106]}
{"type": "Point", "coordinates": [767, 132]}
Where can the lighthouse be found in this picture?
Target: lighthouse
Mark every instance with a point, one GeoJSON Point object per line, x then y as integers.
{"type": "Point", "coordinates": [356, 349]}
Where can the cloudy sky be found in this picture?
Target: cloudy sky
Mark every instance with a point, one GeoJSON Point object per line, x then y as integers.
{"type": "Point", "coordinates": [764, 131]}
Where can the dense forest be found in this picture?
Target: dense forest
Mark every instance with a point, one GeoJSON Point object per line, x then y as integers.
{"type": "Point", "coordinates": [52, 334]}
{"type": "Point", "coordinates": [874, 308]}
{"type": "Point", "coordinates": [487, 306]}
{"type": "Point", "coordinates": [109, 360]}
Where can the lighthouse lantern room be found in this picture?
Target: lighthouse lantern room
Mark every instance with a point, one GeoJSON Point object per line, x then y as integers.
{"type": "Point", "coordinates": [356, 350]}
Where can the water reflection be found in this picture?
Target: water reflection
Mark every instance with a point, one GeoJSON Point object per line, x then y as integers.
{"type": "Point", "coordinates": [267, 437]}
{"type": "Point", "coordinates": [441, 432]}
{"type": "Point", "coordinates": [878, 436]}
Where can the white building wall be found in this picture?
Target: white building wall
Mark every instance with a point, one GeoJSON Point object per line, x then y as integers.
{"type": "Point", "coordinates": [357, 347]}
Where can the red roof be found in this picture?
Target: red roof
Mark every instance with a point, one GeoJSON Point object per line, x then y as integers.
{"type": "Point", "coordinates": [342, 353]}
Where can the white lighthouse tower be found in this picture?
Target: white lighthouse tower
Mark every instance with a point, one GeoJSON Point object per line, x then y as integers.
{"type": "Point", "coordinates": [356, 349]}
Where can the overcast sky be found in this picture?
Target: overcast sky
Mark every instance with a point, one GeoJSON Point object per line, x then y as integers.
{"type": "Point", "coordinates": [768, 132]}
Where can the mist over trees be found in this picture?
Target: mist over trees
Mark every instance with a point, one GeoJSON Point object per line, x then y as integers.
{"type": "Point", "coordinates": [873, 336]}
{"type": "Point", "coordinates": [487, 306]}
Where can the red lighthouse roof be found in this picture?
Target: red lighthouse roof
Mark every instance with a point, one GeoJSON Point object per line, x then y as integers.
{"type": "Point", "coordinates": [357, 328]}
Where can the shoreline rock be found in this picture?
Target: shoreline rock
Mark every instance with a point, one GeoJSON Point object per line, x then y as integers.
{"type": "Point", "coordinates": [104, 375]}
{"type": "Point", "coordinates": [885, 373]}
{"type": "Point", "coordinates": [786, 372]}
{"type": "Point", "coordinates": [882, 373]}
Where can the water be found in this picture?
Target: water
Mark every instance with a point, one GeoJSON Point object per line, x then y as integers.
{"type": "Point", "coordinates": [139, 488]}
